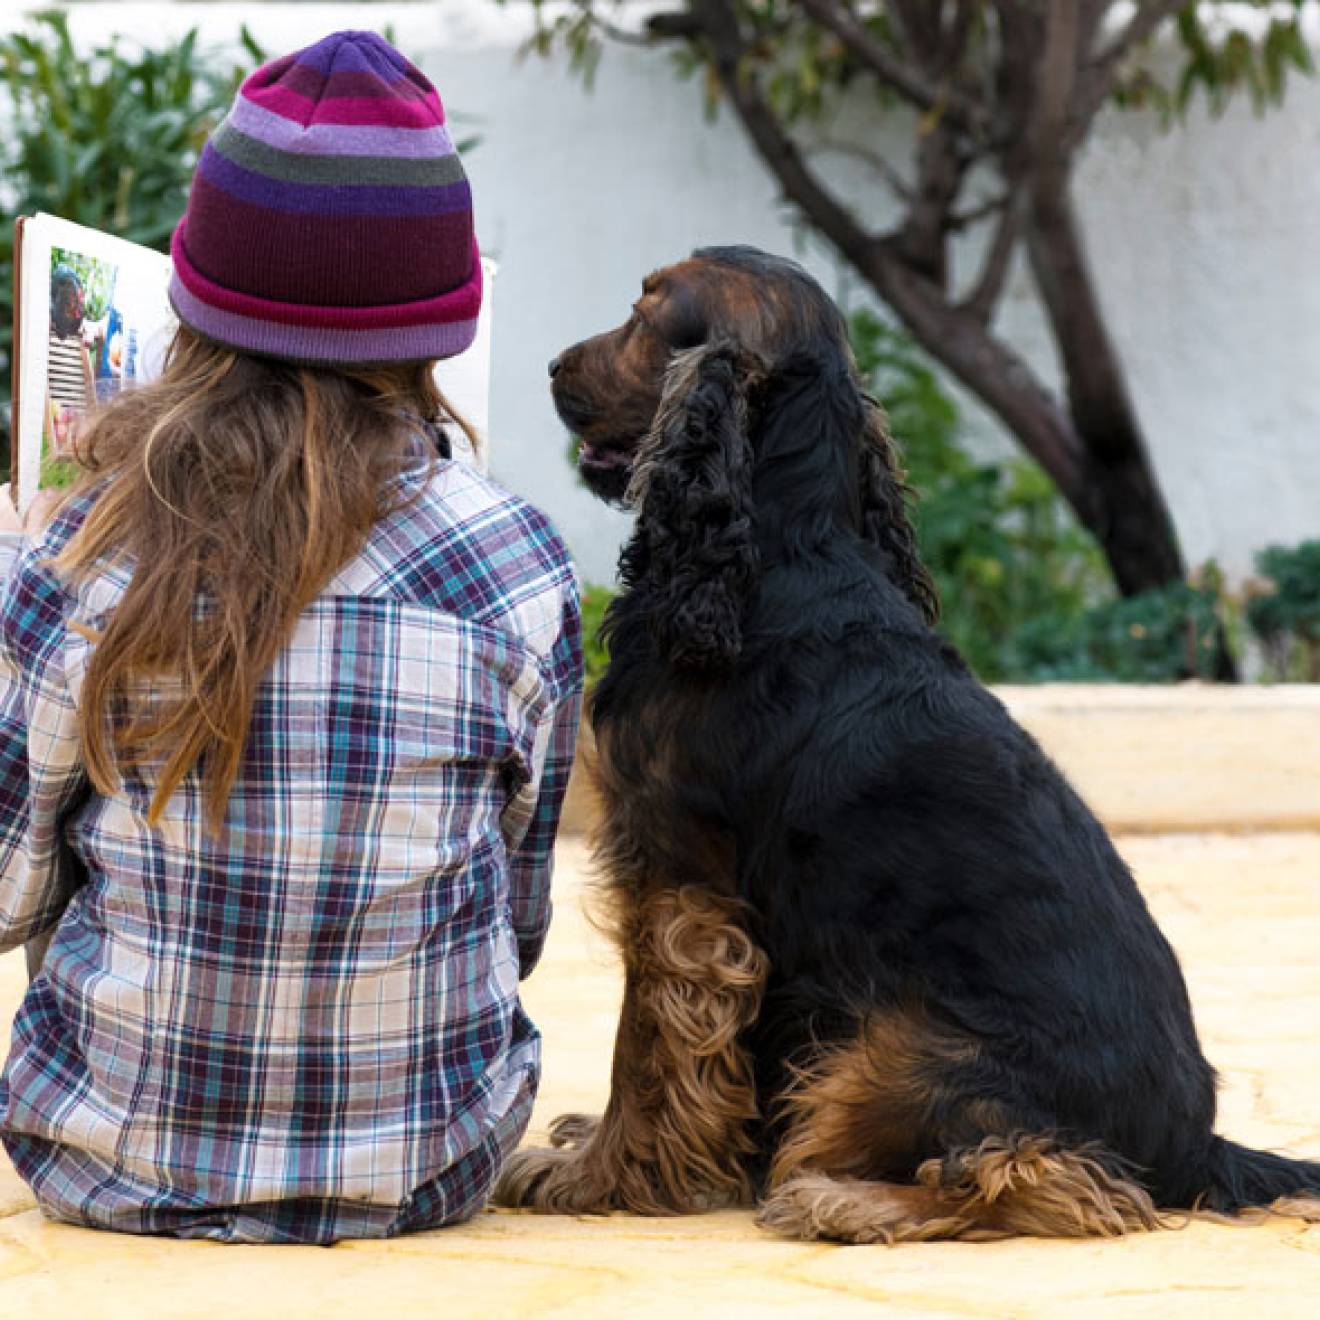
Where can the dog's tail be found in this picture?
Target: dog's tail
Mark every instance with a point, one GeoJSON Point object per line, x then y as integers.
{"type": "Point", "coordinates": [1240, 1177]}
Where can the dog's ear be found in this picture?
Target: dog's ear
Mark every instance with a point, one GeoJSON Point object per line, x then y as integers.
{"type": "Point", "coordinates": [694, 549]}
{"type": "Point", "coordinates": [885, 519]}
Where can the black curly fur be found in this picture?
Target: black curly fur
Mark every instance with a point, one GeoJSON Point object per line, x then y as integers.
{"type": "Point", "coordinates": [694, 556]}
{"type": "Point", "coordinates": [886, 498]}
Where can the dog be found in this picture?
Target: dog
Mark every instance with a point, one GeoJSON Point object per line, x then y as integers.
{"type": "Point", "coordinates": [885, 973]}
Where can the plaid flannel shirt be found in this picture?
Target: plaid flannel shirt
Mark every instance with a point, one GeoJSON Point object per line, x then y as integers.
{"type": "Point", "coordinates": [308, 1027]}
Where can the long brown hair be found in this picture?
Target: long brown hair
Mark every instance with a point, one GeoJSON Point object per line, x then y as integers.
{"type": "Point", "coordinates": [237, 486]}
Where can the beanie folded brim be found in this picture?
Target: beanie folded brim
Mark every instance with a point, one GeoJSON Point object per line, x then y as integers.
{"type": "Point", "coordinates": [438, 327]}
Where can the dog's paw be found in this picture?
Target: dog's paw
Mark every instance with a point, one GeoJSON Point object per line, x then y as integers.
{"type": "Point", "coordinates": [553, 1182]}
{"type": "Point", "coordinates": [814, 1207]}
{"type": "Point", "coordinates": [573, 1130]}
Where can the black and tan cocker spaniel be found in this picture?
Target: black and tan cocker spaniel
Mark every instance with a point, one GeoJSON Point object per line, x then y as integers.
{"type": "Point", "coordinates": [885, 972]}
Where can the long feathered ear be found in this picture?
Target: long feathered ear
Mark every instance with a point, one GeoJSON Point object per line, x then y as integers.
{"type": "Point", "coordinates": [694, 550]}
{"type": "Point", "coordinates": [885, 519]}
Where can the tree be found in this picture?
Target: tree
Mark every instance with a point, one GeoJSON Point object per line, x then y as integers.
{"type": "Point", "coordinates": [1001, 89]}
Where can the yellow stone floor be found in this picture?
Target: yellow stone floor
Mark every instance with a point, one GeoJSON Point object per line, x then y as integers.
{"type": "Point", "coordinates": [1244, 913]}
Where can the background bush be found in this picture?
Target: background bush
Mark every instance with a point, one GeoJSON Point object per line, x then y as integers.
{"type": "Point", "coordinates": [1285, 615]}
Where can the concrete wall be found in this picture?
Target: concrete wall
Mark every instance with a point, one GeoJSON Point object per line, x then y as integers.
{"type": "Point", "coordinates": [1206, 240]}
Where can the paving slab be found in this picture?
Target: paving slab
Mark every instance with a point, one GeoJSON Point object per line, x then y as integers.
{"type": "Point", "coordinates": [1244, 913]}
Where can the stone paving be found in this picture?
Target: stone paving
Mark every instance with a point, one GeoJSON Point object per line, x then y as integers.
{"type": "Point", "coordinates": [1244, 913]}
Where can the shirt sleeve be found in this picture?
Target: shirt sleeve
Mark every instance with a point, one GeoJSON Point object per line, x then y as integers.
{"type": "Point", "coordinates": [531, 818]}
{"type": "Point", "coordinates": [41, 772]}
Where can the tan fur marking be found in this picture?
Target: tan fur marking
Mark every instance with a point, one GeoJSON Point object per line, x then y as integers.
{"type": "Point", "coordinates": [1025, 1185]}
{"type": "Point", "coordinates": [674, 1136]}
{"type": "Point", "coordinates": [858, 1111]}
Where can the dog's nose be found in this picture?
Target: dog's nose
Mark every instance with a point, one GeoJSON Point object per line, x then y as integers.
{"type": "Point", "coordinates": [555, 364]}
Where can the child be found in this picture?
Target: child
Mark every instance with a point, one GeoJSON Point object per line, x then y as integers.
{"type": "Point", "coordinates": [287, 704]}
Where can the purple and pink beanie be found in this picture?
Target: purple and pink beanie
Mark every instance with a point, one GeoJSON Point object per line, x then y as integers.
{"type": "Point", "coordinates": [330, 220]}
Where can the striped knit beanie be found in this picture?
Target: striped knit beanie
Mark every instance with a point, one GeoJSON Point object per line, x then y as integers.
{"type": "Point", "coordinates": [330, 220]}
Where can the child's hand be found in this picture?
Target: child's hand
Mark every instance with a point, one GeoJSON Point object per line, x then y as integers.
{"type": "Point", "coordinates": [37, 515]}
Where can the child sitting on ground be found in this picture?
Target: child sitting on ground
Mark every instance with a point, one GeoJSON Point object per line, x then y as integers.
{"type": "Point", "coordinates": [287, 705]}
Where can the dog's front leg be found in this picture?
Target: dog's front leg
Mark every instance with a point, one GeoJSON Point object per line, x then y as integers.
{"type": "Point", "coordinates": [675, 1135]}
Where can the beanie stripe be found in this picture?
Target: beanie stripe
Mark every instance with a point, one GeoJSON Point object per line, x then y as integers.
{"type": "Point", "coordinates": [377, 111]}
{"type": "Point", "coordinates": [383, 171]}
{"type": "Point", "coordinates": [330, 219]}
{"type": "Point", "coordinates": [372, 259]}
{"type": "Point", "coordinates": [311, 84]}
{"type": "Point", "coordinates": [459, 304]}
{"type": "Point", "coordinates": [330, 199]}
{"type": "Point", "coordinates": [338, 139]}
{"type": "Point", "coordinates": [322, 345]}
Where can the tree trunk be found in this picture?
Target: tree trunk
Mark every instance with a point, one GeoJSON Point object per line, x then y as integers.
{"type": "Point", "coordinates": [1120, 501]}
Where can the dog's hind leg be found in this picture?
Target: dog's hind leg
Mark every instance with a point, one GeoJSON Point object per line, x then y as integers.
{"type": "Point", "coordinates": [1005, 1187]}
{"type": "Point", "coordinates": [903, 1136]}
{"type": "Point", "coordinates": [674, 1137]}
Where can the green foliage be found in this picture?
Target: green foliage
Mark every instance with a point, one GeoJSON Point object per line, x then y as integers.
{"type": "Point", "coordinates": [595, 601]}
{"type": "Point", "coordinates": [1287, 617]}
{"type": "Point", "coordinates": [1160, 636]}
{"type": "Point", "coordinates": [108, 138]}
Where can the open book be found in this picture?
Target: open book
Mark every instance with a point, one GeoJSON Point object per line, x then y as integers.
{"type": "Point", "coordinates": [92, 317]}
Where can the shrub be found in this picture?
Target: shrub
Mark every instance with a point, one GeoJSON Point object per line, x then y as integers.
{"type": "Point", "coordinates": [1286, 617]}
{"type": "Point", "coordinates": [1159, 636]}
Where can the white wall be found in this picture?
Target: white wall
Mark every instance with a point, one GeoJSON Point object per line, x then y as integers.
{"type": "Point", "coordinates": [1206, 241]}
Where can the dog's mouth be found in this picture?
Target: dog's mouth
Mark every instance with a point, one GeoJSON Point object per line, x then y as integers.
{"type": "Point", "coordinates": [605, 468]}
{"type": "Point", "coordinates": [595, 457]}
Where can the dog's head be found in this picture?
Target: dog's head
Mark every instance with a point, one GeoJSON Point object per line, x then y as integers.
{"type": "Point", "coordinates": [731, 361]}
{"type": "Point", "coordinates": [608, 388]}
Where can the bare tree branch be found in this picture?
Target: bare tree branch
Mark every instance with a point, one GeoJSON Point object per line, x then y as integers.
{"type": "Point", "coordinates": [624, 36]}
{"type": "Point", "coordinates": [677, 25]}
{"type": "Point", "coordinates": [941, 168]}
{"type": "Point", "coordinates": [960, 220]}
{"type": "Point", "coordinates": [929, 97]}
{"type": "Point", "coordinates": [954, 45]}
{"type": "Point", "coordinates": [980, 303]}
{"type": "Point", "coordinates": [1054, 82]}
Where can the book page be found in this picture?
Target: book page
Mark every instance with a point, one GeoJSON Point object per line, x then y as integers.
{"type": "Point", "coordinates": [93, 317]}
